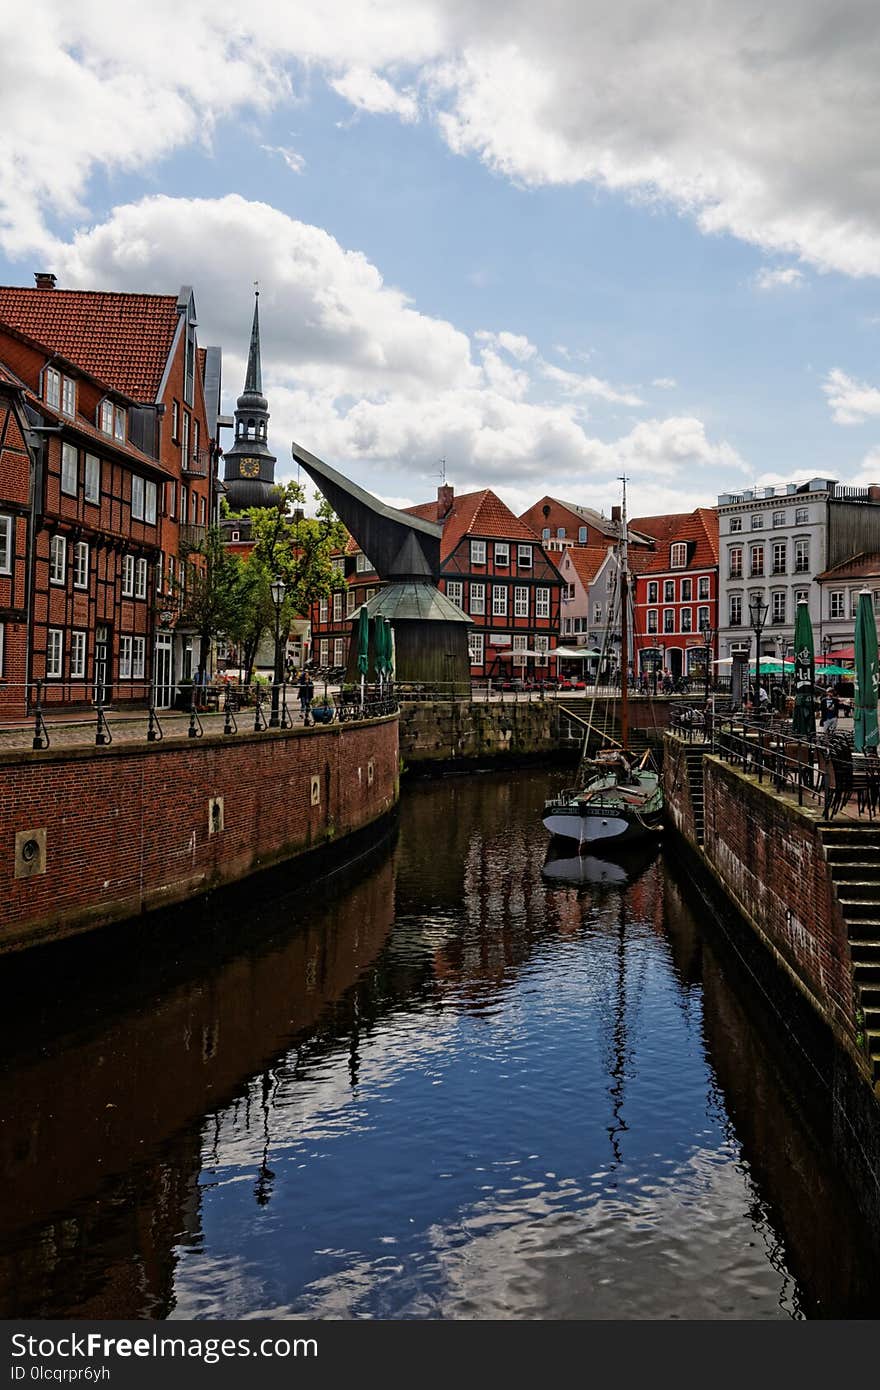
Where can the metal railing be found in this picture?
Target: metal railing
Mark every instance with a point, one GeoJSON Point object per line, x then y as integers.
{"type": "Point", "coordinates": [824, 771]}
{"type": "Point", "coordinates": [133, 709]}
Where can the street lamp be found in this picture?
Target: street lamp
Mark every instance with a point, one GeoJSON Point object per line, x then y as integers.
{"type": "Point", "coordinates": [278, 590]}
{"type": "Point", "coordinates": [758, 609]}
{"type": "Point", "coordinates": [708, 637]}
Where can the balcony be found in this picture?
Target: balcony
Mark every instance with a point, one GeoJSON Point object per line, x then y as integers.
{"type": "Point", "coordinates": [192, 537]}
{"type": "Point", "coordinates": [197, 464]}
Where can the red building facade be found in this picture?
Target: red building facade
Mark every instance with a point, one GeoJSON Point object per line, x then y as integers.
{"type": "Point", "coordinates": [676, 592]}
{"type": "Point", "coordinates": [105, 392]}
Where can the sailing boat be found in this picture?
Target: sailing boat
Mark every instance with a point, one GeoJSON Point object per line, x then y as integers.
{"type": "Point", "coordinates": [622, 799]}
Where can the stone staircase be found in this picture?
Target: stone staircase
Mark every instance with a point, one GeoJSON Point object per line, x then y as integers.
{"type": "Point", "coordinates": [606, 725]}
{"type": "Point", "coordinates": [853, 854]}
{"type": "Point", "coordinates": [694, 758]}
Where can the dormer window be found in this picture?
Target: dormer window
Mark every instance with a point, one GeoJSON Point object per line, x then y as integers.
{"type": "Point", "coordinates": [106, 418]}
{"type": "Point", "coordinates": [68, 396]}
{"type": "Point", "coordinates": [53, 387]}
{"type": "Point", "coordinates": [677, 556]}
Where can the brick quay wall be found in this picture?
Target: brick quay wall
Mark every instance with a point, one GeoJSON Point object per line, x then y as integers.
{"type": "Point", "coordinates": [767, 855]}
{"type": "Point", "coordinates": [95, 835]}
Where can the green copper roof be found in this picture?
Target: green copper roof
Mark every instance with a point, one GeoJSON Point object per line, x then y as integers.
{"type": "Point", "coordinates": [404, 601]}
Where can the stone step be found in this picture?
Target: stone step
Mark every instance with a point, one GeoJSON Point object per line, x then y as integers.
{"type": "Point", "coordinates": [860, 913]}
{"type": "Point", "coordinates": [865, 952]}
{"type": "Point", "coordinates": [863, 930]}
{"type": "Point", "coordinates": [839, 835]}
{"type": "Point", "coordinates": [856, 875]}
{"type": "Point", "coordinates": [872, 1041]}
{"type": "Point", "coordinates": [872, 1018]}
{"type": "Point", "coordinates": [866, 973]}
{"type": "Point", "coordinates": [853, 854]}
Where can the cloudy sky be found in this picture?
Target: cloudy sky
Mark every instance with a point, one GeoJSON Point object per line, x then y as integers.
{"type": "Point", "coordinates": [547, 243]}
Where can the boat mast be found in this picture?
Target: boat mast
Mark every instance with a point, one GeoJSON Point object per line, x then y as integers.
{"type": "Point", "coordinates": [623, 561]}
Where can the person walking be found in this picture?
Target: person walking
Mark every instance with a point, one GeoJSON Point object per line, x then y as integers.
{"type": "Point", "coordinates": [306, 693]}
{"type": "Point", "coordinates": [829, 709]}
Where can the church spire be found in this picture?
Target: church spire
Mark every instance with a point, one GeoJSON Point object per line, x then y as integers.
{"type": "Point", "coordinates": [254, 379]}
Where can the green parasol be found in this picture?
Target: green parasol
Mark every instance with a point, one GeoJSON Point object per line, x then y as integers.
{"type": "Point", "coordinates": [363, 641]}
{"type": "Point", "coordinates": [803, 721]}
{"type": "Point", "coordinates": [834, 671]}
{"type": "Point", "coordinates": [382, 647]}
{"type": "Point", "coordinates": [865, 704]}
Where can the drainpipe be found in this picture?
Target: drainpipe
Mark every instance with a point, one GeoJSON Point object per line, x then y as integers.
{"type": "Point", "coordinates": [37, 449]}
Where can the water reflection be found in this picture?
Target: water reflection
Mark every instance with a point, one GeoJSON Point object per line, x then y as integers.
{"type": "Point", "coordinates": [472, 1082]}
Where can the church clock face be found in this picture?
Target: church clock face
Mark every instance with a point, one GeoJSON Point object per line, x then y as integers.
{"type": "Point", "coordinates": [249, 468]}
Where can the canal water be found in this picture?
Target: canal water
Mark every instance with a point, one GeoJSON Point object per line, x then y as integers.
{"type": "Point", "coordinates": [454, 1082]}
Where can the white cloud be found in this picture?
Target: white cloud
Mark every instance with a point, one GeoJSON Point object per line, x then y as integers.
{"type": "Point", "coordinates": [295, 162]}
{"type": "Point", "coordinates": [852, 402]}
{"type": "Point", "coordinates": [664, 383]}
{"type": "Point", "coordinates": [755, 121]}
{"type": "Point", "coordinates": [787, 278]}
{"type": "Point", "coordinates": [573, 384]}
{"type": "Point", "coordinates": [358, 375]}
{"type": "Point", "coordinates": [369, 92]}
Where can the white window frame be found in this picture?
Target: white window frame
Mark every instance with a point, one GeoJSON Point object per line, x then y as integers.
{"type": "Point", "coordinates": [138, 657]}
{"type": "Point", "coordinates": [685, 619]}
{"type": "Point", "coordinates": [323, 611]}
{"type": "Point", "coordinates": [669, 591]}
{"type": "Point", "coordinates": [141, 577]}
{"type": "Point", "coordinates": [81, 565]}
{"type": "Point", "coordinates": [338, 651]}
{"type": "Point", "coordinates": [703, 587]}
{"type": "Point", "coordinates": [542, 603]}
{"type": "Point", "coordinates": [652, 621]}
{"type": "Point", "coordinates": [582, 536]}
{"type": "Point", "coordinates": [68, 396]}
{"type": "Point", "coordinates": [778, 605]}
{"type": "Point", "coordinates": [58, 560]}
{"type": "Point", "coordinates": [801, 516]}
{"type": "Point", "coordinates": [736, 524]}
{"type": "Point", "coordinates": [125, 658]}
{"type": "Point", "coordinates": [69, 469]}
{"type": "Point", "coordinates": [77, 654]}
{"type": "Point", "coordinates": [542, 645]}
{"type": "Point", "coordinates": [687, 586]}
{"type": "Point", "coordinates": [499, 600]}
{"type": "Point", "coordinates": [105, 417]}
{"type": "Point", "coordinates": [477, 600]}
{"type": "Point", "coordinates": [7, 544]}
{"type": "Point", "coordinates": [520, 644]}
{"type": "Point", "coordinates": [524, 557]}
{"type": "Point", "coordinates": [350, 603]}
{"type": "Point", "coordinates": [734, 601]}
{"type": "Point", "coordinates": [775, 566]}
{"type": "Point", "coordinates": [119, 423]}
{"type": "Point", "coordinates": [337, 606]}
{"type": "Point", "coordinates": [54, 653]}
{"type": "Point", "coordinates": [757, 521]}
{"type": "Point", "coordinates": [477, 648]}
{"type": "Point", "coordinates": [184, 502]}
{"type": "Point", "coordinates": [92, 479]}
{"type": "Point", "coordinates": [668, 626]}
{"type": "Point", "coordinates": [160, 571]}
{"type": "Point", "coordinates": [521, 601]}
{"type": "Point", "coordinates": [361, 563]}
{"type": "Point", "coordinates": [128, 576]}
{"type": "Point", "coordinates": [702, 619]}
{"type": "Point", "coordinates": [735, 571]}
{"type": "Point", "coordinates": [802, 548]}
{"type": "Point", "coordinates": [478, 552]}
{"type": "Point", "coordinates": [184, 438]}
{"type": "Point", "coordinates": [455, 592]}
{"type": "Point", "coordinates": [53, 387]}
{"type": "Point", "coordinates": [653, 591]}
{"type": "Point", "coordinates": [137, 497]}
{"type": "Point", "coordinates": [756, 571]}
{"type": "Point", "coordinates": [324, 649]}
{"type": "Point", "coordinates": [171, 499]}
{"type": "Point", "coordinates": [150, 502]}
{"type": "Point", "coordinates": [175, 421]}
{"type": "Point", "coordinates": [678, 555]}
{"type": "Point", "coordinates": [502, 553]}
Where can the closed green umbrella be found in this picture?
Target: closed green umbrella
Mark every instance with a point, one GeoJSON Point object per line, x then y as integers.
{"type": "Point", "coordinates": [803, 720]}
{"type": "Point", "coordinates": [363, 646]}
{"type": "Point", "coordinates": [865, 705]}
{"type": "Point", "coordinates": [382, 648]}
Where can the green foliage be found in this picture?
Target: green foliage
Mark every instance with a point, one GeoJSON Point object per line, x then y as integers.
{"type": "Point", "coordinates": [213, 592]}
{"type": "Point", "coordinates": [291, 546]}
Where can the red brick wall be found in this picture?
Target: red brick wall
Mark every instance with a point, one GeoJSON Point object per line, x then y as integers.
{"type": "Point", "coordinates": [15, 484]}
{"type": "Point", "coordinates": [769, 856]}
{"type": "Point", "coordinates": [127, 828]}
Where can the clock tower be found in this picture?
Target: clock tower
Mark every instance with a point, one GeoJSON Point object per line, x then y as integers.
{"type": "Point", "coordinates": [249, 472]}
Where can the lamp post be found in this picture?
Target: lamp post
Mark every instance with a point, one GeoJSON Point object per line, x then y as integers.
{"type": "Point", "coordinates": [758, 609]}
{"type": "Point", "coordinates": [278, 590]}
{"type": "Point", "coordinates": [708, 638]}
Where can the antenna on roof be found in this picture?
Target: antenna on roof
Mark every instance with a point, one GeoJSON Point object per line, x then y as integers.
{"type": "Point", "coordinates": [442, 470]}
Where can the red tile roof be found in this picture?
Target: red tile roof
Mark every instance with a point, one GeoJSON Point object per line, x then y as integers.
{"type": "Point", "coordinates": [121, 339]}
{"type": "Point", "coordinates": [479, 514]}
{"type": "Point", "coordinates": [587, 561]}
{"type": "Point", "coordinates": [865, 565]}
{"type": "Point", "coordinates": [699, 527]}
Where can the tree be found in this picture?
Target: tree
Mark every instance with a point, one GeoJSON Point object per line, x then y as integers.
{"type": "Point", "coordinates": [212, 596]}
{"type": "Point", "coordinates": [290, 546]}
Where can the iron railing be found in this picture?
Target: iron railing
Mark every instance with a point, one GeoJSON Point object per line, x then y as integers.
{"type": "Point", "coordinates": [824, 771]}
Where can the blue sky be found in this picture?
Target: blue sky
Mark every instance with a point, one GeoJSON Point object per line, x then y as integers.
{"type": "Point", "coordinates": [549, 248]}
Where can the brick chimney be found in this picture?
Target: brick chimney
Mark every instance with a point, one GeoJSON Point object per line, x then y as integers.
{"type": "Point", "coordinates": [445, 499]}
{"type": "Point", "coordinates": [45, 279]}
